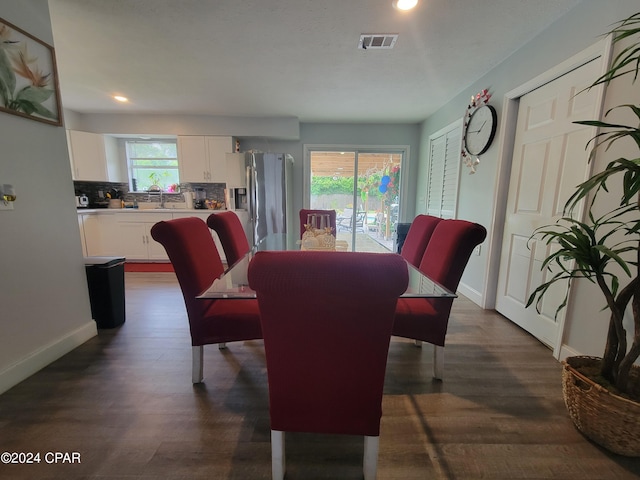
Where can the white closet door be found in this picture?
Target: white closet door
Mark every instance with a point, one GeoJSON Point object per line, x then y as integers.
{"type": "Point", "coordinates": [549, 160]}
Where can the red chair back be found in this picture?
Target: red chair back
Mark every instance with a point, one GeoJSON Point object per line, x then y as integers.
{"type": "Point", "coordinates": [194, 257]}
{"type": "Point", "coordinates": [231, 233]}
{"type": "Point", "coordinates": [326, 321]}
{"type": "Point", "coordinates": [305, 212]}
{"type": "Point", "coordinates": [449, 249]}
{"type": "Point", "coordinates": [444, 261]}
{"type": "Point", "coordinates": [418, 237]}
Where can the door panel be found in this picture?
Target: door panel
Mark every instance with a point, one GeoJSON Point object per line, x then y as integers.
{"type": "Point", "coordinates": [549, 160]}
{"type": "Point", "coordinates": [534, 159]}
{"type": "Point", "coordinates": [516, 285]}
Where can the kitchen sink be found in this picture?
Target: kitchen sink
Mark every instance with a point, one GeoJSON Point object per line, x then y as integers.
{"type": "Point", "coordinates": [167, 206]}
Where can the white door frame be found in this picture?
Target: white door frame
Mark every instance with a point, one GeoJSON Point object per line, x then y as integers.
{"type": "Point", "coordinates": [509, 117]}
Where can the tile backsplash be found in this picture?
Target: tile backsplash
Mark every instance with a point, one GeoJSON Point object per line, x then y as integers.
{"type": "Point", "coordinates": [97, 192]}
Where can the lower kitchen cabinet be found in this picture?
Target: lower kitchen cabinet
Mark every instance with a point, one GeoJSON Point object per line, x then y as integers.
{"type": "Point", "coordinates": [134, 236]}
{"type": "Point", "coordinates": [128, 233]}
{"type": "Point", "coordinates": [97, 235]}
{"type": "Point", "coordinates": [82, 239]}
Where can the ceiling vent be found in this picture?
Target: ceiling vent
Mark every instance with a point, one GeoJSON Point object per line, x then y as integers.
{"type": "Point", "coordinates": [377, 41]}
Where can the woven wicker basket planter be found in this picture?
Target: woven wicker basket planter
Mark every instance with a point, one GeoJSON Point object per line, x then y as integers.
{"type": "Point", "coordinates": [609, 420]}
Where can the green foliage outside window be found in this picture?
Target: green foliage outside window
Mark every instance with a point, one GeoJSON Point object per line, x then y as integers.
{"type": "Point", "coordinates": [153, 163]}
{"type": "Point", "coordinates": [329, 186]}
{"type": "Point", "coordinates": [344, 185]}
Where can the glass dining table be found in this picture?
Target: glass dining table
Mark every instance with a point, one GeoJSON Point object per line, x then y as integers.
{"type": "Point", "coordinates": [233, 283]}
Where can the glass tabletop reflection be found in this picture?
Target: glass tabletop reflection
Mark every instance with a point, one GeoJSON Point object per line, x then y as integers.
{"type": "Point", "coordinates": [233, 282]}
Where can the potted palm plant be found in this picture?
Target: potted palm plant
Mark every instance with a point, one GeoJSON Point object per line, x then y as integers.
{"type": "Point", "coordinates": [603, 394]}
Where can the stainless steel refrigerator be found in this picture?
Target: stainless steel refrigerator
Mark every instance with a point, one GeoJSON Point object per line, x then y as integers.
{"type": "Point", "coordinates": [270, 194]}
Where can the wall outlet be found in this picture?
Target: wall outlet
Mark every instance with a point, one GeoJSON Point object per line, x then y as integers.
{"type": "Point", "coordinates": [476, 251]}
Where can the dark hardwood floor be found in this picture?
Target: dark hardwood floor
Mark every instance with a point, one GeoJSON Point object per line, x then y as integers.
{"type": "Point", "coordinates": [125, 403]}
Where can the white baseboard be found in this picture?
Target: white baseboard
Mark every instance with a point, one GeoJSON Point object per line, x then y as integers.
{"type": "Point", "coordinates": [39, 359]}
{"type": "Point", "coordinates": [566, 351]}
{"type": "Point", "coordinates": [473, 295]}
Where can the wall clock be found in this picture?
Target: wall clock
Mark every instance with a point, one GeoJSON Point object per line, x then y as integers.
{"type": "Point", "coordinates": [480, 130]}
{"type": "Point", "coordinates": [480, 122]}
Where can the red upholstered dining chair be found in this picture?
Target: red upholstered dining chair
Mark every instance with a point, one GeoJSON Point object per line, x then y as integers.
{"type": "Point", "coordinates": [418, 237]}
{"type": "Point", "coordinates": [303, 218]}
{"type": "Point", "coordinates": [231, 233]}
{"type": "Point", "coordinates": [309, 300]}
{"type": "Point", "coordinates": [444, 260]}
{"type": "Point", "coordinates": [197, 264]}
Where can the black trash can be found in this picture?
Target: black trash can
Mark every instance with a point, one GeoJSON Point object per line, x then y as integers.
{"type": "Point", "coordinates": [105, 278]}
{"type": "Point", "coordinates": [401, 235]}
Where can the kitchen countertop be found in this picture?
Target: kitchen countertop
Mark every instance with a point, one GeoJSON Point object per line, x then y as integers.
{"type": "Point", "coordinates": [150, 210]}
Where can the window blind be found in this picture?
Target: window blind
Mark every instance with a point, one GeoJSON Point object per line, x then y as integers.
{"type": "Point", "coordinates": [444, 172]}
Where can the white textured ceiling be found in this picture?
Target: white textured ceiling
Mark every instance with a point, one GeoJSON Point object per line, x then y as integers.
{"type": "Point", "coordinates": [284, 57]}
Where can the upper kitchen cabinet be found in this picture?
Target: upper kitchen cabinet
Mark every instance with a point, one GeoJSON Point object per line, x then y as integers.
{"type": "Point", "coordinates": [94, 157]}
{"type": "Point", "coordinates": [236, 170]}
{"type": "Point", "coordinates": [203, 158]}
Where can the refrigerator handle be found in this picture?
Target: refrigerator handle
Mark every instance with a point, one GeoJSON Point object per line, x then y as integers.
{"type": "Point", "coordinates": [251, 200]}
{"type": "Point", "coordinates": [250, 190]}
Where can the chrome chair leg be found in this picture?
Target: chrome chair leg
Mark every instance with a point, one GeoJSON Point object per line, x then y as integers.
{"type": "Point", "coordinates": [438, 362]}
{"type": "Point", "coordinates": [370, 460]}
{"type": "Point", "coordinates": [277, 455]}
{"type": "Point", "coordinates": [197, 364]}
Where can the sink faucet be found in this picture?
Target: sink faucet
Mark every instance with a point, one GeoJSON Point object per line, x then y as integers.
{"type": "Point", "coordinates": [155, 193]}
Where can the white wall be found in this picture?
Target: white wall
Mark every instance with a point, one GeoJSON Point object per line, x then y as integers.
{"type": "Point", "coordinates": [44, 305]}
{"type": "Point", "coordinates": [571, 34]}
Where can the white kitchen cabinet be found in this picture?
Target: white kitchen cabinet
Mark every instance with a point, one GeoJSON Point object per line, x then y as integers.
{"type": "Point", "coordinates": [82, 240]}
{"type": "Point", "coordinates": [133, 241]}
{"type": "Point", "coordinates": [192, 159]}
{"type": "Point", "coordinates": [203, 158]}
{"type": "Point", "coordinates": [134, 236]}
{"type": "Point", "coordinates": [94, 157]}
{"type": "Point", "coordinates": [217, 149]}
{"type": "Point", "coordinates": [97, 235]}
{"type": "Point", "coordinates": [116, 166]}
{"type": "Point", "coordinates": [92, 235]}
{"type": "Point", "coordinates": [236, 170]}
{"type": "Point", "coordinates": [127, 233]}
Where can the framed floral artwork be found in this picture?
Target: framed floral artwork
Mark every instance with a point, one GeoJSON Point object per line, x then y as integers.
{"type": "Point", "coordinates": [28, 76]}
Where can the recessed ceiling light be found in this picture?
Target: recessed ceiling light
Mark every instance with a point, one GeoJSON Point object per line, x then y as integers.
{"type": "Point", "coordinates": [404, 4]}
{"type": "Point", "coordinates": [120, 98]}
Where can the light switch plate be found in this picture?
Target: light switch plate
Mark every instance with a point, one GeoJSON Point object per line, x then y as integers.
{"type": "Point", "coordinates": [6, 205]}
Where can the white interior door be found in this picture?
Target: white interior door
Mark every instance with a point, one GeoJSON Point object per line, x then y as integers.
{"type": "Point", "coordinates": [549, 160]}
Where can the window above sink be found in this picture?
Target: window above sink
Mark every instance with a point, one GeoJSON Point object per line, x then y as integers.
{"type": "Point", "coordinates": [153, 163]}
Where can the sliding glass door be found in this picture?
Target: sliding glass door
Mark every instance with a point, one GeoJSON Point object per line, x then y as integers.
{"type": "Point", "coordinates": [364, 188]}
